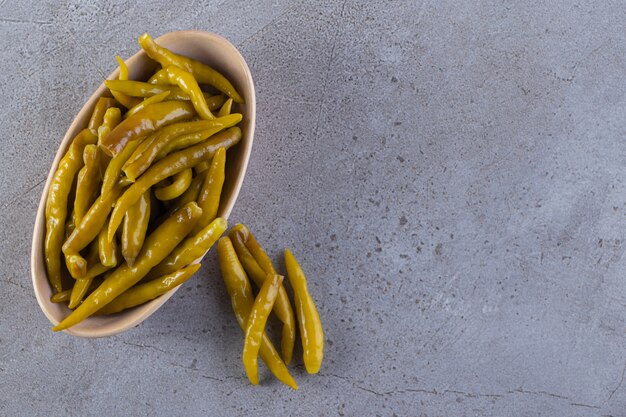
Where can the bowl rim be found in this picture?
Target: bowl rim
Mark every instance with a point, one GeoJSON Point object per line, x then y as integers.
{"type": "Point", "coordinates": [150, 307]}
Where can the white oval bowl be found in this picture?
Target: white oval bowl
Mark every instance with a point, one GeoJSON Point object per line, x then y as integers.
{"type": "Point", "coordinates": [212, 50]}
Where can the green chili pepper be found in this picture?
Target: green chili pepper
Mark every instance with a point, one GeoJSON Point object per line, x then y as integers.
{"type": "Point", "coordinates": [126, 101]}
{"type": "Point", "coordinates": [209, 197]}
{"type": "Point", "coordinates": [146, 102]}
{"type": "Point", "coordinates": [257, 251]}
{"type": "Point", "coordinates": [311, 331]}
{"type": "Point", "coordinates": [144, 145]}
{"type": "Point", "coordinates": [247, 260]}
{"type": "Point", "coordinates": [185, 141]}
{"type": "Point", "coordinates": [135, 227]}
{"type": "Point", "coordinates": [186, 82]}
{"type": "Point", "coordinates": [156, 247]}
{"type": "Point", "coordinates": [255, 325]}
{"type": "Point", "coordinates": [240, 292]}
{"type": "Point", "coordinates": [82, 285]}
{"type": "Point", "coordinates": [123, 68]}
{"type": "Point", "coordinates": [193, 248]}
{"type": "Point", "coordinates": [124, 182]}
{"type": "Point", "coordinates": [76, 264]}
{"type": "Point", "coordinates": [56, 204]}
{"type": "Point", "coordinates": [145, 122]}
{"type": "Point", "coordinates": [258, 266]}
{"type": "Point", "coordinates": [112, 118]}
{"type": "Point", "coordinates": [168, 166]}
{"type": "Point", "coordinates": [160, 77]}
{"type": "Point", "coordinates": [86, 284]}
{"type": "Point", "coordinates": [86, 231]}
{"type": "Point", "coordinates": [202, 167]}
{"type": "Point", "coordinates": [70, 224]}
{"type": "Point", "coordinates": [191, 194]}
{"type": "Point", "coordinates": [78, 291]}
{"type": "Point", "coordinates": [150, 290]}
{"type": "Point", "coordinates": [202, 72]}
{"type": "Point", "coordinates": [102, 105]}
{"type": "Point", "coordinates": [107, 250]}
{"type": "Point", "coordinates": [226, 108]}
{"type": "Point", "coordinates": [141, 89]}
{"type": "Point", "coordinates": [179, 185]}
{"type": "Point", "coordinates": [61, 297]}
{"type": "Point", "coordinates": [114, 169]}
{"type": "Point", "coordinates": [175, 137]}
{"type": "Point", "coordinates": [88, 181]}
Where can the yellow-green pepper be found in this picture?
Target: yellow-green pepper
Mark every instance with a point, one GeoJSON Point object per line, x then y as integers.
{"type": "Point", "coordinates": [191, 194]}
{"type": "Point", "coordinates": [125, 100]}
{"type": "Point", "coordinates": [112, 118]}
{"type": "Point", "coordinates": [61, 297]}
{"type": "Point", "coordinates": [141, 89]}
{"type": "Point", "coordinates": [86, 231]}
{"type": "Point", "coordinates": [179, 185]}
{"type": "Point", "coordinates": [191, 249]}
{"type": "Point", "coordinates": [159, 77]}
{"type": "Point", "coordinates": [186, 82]}
{"type": "Point", "coordinates": [226, 108]}
{"type": "Point", "coordinates": [146, 102]}
{"type": "Point", "coordinates": [156, 247]}
{"type": "Point", "coordinates": [145, 122]}
{"type": "Point", "coordinates": [240, 292]}
{"type": "Point", "coordinates": [82, 285]}
{"type": "Point", "coordinates": [150, 290]}
{"type": "Point", "coordinates": [311, 332]}
{"type": "Point", "coordinates": [56, 204]}
{"type": "Point", "coordinates": [114, 169]}
{"type": "Point", "coordinates": [209, 197]}
{"type": "Point", "coordinates": [255, 325]}
{"type": "Point", "coordinates": [87, 182]}
{"type": "Point", "coordinates": [202, 72]}
{"type": "Point", "coordinates": [168, 166]}
{"type": "Point", "coordinates": [102, 105]}
{"type": "Point", "coordinates": [258, 266]}
{"type": "Point", "coordinates": [135, 228]}
{"type": "Point", "coordinates": [107, 250]}
{"type": "Point", "coordinates": [175, 137]}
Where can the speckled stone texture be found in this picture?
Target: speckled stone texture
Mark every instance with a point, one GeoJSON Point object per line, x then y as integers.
{"type": "Point", "coordinates": [450, 175]}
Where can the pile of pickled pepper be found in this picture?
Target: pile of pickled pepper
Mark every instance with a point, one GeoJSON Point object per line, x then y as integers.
{"type": "Point", "coordinates": [240, 256]}
{"type": "Point", "coordinates": [133, 203]}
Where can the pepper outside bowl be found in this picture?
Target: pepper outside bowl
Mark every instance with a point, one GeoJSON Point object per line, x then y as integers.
{"type": "Point", "coordinates": [208, 48]}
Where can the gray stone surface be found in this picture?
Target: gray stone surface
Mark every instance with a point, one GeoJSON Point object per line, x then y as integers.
{"type": "Point", "coordinates": [449, 173]}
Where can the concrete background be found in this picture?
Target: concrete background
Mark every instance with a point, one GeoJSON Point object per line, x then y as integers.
{"type": "Point", "coordinates": [450, 174]}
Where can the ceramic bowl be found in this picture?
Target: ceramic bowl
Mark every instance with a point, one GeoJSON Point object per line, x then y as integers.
{"type": "Point", "coordinates": [208, 48]}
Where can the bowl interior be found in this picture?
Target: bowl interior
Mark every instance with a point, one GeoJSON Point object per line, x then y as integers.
{"type": "Point", "coordinates": [203, 46]}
